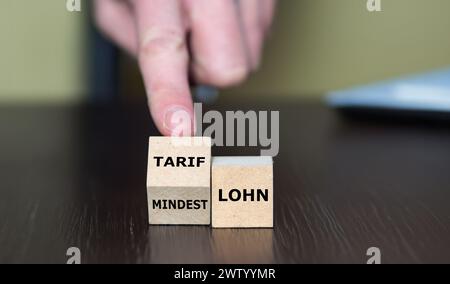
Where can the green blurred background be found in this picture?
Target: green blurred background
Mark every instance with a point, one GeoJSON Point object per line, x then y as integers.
{"type": "Point", "coordinates": [315, 46]}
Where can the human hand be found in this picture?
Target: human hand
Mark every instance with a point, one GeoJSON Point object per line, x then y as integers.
{"type": "Point", "coordinates": [224, 37]}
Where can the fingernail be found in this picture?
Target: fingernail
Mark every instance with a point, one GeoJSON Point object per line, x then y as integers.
{"type": "Point", "coordinates": [178, 121]}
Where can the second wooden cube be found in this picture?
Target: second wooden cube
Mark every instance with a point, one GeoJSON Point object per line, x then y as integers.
{"type": "Point", "coordinates": [242, 192]}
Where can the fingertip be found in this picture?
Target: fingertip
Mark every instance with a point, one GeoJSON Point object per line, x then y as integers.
{"type": "Point", "coordinates": [174, 119]}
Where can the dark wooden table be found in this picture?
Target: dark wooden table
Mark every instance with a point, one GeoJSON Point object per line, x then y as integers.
{"type": "Point", "coordinates": [75, 176]}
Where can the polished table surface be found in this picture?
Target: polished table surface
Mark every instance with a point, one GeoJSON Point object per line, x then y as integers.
{"type": "Point", "coordinates": [75, 177]}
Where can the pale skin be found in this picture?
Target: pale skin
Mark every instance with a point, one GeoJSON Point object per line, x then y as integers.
{"type": "Point", "coordinates": [224, 45]}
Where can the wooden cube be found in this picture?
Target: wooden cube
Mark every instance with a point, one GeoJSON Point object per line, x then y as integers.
{"type": "Point", "coordinates": [242, 192]}
{"type": "Point", "coordinates": [178, 180]}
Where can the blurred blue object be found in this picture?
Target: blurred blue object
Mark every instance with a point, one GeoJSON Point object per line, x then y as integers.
{"type": "Point", "coordinates": [428, 92]}
{"type": "Point", "coordinates": [206, 94]}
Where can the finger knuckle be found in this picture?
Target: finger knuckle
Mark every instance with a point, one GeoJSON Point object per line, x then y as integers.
{"type": "Point", "coordinates": [161, 41]}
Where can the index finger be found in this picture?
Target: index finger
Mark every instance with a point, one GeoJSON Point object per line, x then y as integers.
{"type": "Point", "coordinates": [163, 60]}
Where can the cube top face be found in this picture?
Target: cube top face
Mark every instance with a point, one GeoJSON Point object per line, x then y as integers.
{"type": "Point", "coordinates": [179, 162]}
{"type": "Point", "coordinates": [242, 192]}
{"type": "Point", "coordinates": [243, 161]}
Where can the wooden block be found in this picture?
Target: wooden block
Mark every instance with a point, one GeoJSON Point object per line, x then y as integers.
{"type": "Point", "coordinates": [242, 192]}
{"type": "Point", "coordinates": [178, 180]}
